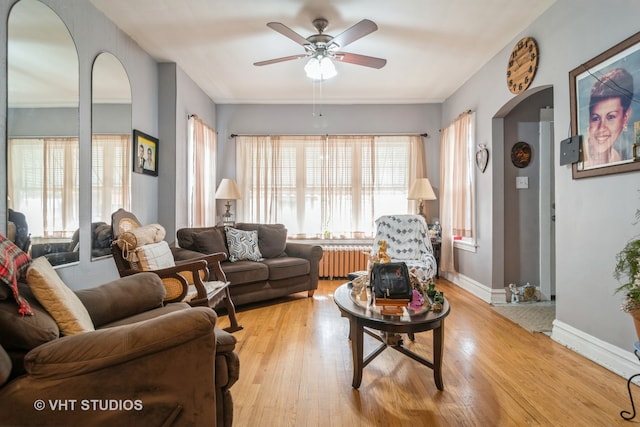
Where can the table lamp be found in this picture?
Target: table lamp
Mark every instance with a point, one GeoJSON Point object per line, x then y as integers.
{"type": "Point", "coordinates": [421, 190]}
{"type": "Point", "coordinates": [228, 190]}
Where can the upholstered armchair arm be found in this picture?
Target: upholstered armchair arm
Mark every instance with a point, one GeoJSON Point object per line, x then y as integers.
{"type": "Point", "coordinates": [304, 250]}
{"type": "Point", "coordinates": [429, 259]}
{"type": "Point", "coordinates": [104, 348]}
{"type": "Point", "coordinates": [311, 252]}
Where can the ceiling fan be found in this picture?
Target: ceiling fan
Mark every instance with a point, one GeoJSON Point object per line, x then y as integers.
{"type": "Point", "coordinates": [321, 48]}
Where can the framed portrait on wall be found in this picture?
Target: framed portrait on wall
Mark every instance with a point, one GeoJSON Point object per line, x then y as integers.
{"type": "Point", "coordinates": [605, 110]}
{"type": "Point", "coordinates": [145, 153]}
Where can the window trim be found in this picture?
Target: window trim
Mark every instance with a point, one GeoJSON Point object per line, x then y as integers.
{"type": "Point", "coordinates": [468, 245]}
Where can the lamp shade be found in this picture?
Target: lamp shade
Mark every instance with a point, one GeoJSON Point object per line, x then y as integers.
{"type": "Point", "coordinates": [421, 190]}
{"type": "Point", "coordinates": [228, 190]}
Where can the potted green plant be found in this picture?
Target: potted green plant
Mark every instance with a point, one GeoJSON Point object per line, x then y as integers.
{"type": "Point", "coordinates": [628, 269]}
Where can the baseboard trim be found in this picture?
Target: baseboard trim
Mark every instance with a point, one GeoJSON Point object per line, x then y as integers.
{"type": "Point", "coordinates": [485, 293]}
{"type": "Point", "coordinates": [615, 359]}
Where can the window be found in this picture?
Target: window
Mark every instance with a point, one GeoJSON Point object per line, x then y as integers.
{"type": "Point", "coordinates": [326, 186]}
{"type": "Point", "coordinates": [43, 180]}
{"type": "Point", "coordinates": [43, 183]}
{"type": "Point", "coordinates": [457, 205]}
{"type": "Point", "coordinates": [111, 188]}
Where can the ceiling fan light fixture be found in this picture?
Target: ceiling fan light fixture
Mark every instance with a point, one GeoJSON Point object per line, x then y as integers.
{"type": "Point", "coordinates": [320, 68]}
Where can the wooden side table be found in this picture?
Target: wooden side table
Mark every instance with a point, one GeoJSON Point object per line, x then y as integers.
{"type": "Point", "coordinates": [222, 295]}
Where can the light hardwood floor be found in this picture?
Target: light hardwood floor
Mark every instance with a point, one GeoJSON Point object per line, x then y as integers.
{"type": "Point", "coordinates": [296, 370]}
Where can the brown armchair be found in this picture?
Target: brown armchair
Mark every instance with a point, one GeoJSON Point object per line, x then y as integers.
{"type": "Point", "coordinates": [128, 361]}
{"type": "Point", "coordinates": [186, 281]}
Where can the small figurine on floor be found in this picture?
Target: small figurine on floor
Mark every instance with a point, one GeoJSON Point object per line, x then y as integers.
{"type": "Point", "coordinates": [514, 292]}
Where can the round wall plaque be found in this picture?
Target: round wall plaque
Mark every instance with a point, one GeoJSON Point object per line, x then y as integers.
{"type": "Point", "coordinates": [521, 154]}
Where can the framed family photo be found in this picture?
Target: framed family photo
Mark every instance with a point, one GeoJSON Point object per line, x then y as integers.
{"type": "Point", "coordinates": [145, 153]}
{"type": "Point", "coordinates": [605, 110]}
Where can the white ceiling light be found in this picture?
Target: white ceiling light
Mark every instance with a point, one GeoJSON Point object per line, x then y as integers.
{"type": "Point", "coordinates": [320, 68]}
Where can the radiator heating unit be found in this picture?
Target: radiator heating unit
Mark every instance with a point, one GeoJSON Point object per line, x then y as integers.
{"type": "Point", "coordinates": [340, 260]}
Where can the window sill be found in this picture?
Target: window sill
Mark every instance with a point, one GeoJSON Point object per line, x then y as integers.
{"type": "Point", "coordinates": [467, 245]}
{"type": "Point", "coordinates": [329, 242]}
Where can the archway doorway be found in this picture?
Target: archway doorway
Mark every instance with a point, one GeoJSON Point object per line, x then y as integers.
{"type": "Point", "coordinates": [524, 241]}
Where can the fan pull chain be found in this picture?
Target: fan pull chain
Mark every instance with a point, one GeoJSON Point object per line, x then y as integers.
{"type": "Point", "coordinates": [313, 92]}
{"type": "Point", "coordinates": [319, 82]}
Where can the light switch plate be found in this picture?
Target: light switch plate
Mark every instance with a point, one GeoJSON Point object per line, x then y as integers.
{"type": "Point", "coordinates": [522, 182]}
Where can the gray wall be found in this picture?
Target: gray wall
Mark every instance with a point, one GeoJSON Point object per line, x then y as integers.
{"type": "Point", "coordinates": [594, 215]}
{"type": "Point", "coordinates": [33, 122]}
{"type": "Point", "coordinates": [111, 118]}
{"type": "Point", "coordinates": [64, 121]}
{"type": "Point", "coordinates": [179, 98]}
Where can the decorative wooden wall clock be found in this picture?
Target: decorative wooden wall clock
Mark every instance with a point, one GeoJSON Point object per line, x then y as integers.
{"type": "Point", "coordinates": [522, 66]}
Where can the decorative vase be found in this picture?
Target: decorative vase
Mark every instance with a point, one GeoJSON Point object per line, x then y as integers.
{"type": "Point", "coordinates": [636, 321]}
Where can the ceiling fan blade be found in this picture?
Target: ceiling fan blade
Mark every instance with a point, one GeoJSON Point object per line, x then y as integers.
{"type": "Point", "coordinates": [354, 58]}
{"type": "Point", "coordinates": [288, 32]}
{"type": "Point", "coordinates": [354, 33]}
{"type": "Point", "coordinates": [276, 60]}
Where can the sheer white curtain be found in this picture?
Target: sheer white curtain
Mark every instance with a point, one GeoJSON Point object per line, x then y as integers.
{"type": "Point", "coordinates": [202, 142]}
{"type": "Point", "coordinates": [329, 186]}
{"type": "Point", "coordinates": [267, 175]}
{"type": "Point", "coordinates": [457, 208]}
{"type": "Point", "coordinates": [111, 175]}
{"type": "Point", "coordinates": [347, 182]}
{"type": "Point", "coordinates": [43, 183]}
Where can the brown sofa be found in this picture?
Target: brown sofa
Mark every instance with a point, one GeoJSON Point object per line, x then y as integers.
{"type": "Point", "coordinates": [145, 364]}
{"type": "Point", "coordinates": [286, 267]}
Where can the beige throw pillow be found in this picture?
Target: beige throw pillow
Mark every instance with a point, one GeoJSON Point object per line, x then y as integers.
{"type": "Point", "coordinates": [155, 256]}
{"type": "Point", "coordinates": [61, 302]}
{"type": "Point", "coordinates": [141, 236]}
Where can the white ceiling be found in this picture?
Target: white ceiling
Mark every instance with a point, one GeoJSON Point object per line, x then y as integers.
{"type": "Point", "coordinates": [431, 46]}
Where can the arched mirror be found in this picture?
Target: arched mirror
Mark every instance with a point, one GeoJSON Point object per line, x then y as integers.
{"type": "Point", "coordinates": [42, 133]}
{"type": "Point", "coordinates": [110, 148]}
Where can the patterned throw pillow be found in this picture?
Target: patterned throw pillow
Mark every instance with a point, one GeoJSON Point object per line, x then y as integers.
{"type": "Point", "coordinates": [243, 245]}
{"type": "Point", "coordinates": [13, 267]}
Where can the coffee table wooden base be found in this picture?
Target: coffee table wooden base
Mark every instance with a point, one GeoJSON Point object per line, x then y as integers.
{"type": "Point", "coordinates": [363, 318]}
{"type": "Point", "coordinates": [356, 334]}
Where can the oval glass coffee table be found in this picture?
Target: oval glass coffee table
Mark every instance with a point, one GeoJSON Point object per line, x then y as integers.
{"type": "Point", "coordinates": [363, 319]}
